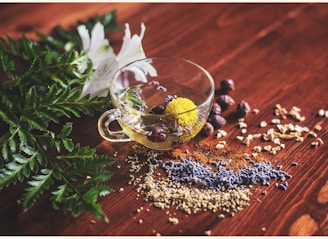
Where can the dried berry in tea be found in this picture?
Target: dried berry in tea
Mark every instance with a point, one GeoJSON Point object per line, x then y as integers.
{"type": "Point", "coordinates": [157, 109]}
{"type": "Point", "coordinates": [157, 133]}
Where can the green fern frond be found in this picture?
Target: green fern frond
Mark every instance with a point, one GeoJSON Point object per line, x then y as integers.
{"type": "Point", "coordinates": [45, 89]}
{"type": "Point", "coordinates": [36, 187]}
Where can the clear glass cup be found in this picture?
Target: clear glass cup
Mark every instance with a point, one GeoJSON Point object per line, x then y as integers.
{"type": "Point", "coordinates": [141, 103]}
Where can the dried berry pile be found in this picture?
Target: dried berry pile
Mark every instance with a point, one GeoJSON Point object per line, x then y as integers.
{"type": "Point", "coordinates": [223, 102]}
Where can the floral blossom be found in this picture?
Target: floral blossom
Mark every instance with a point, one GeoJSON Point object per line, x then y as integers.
{"type": "Point", "coordinates": [106, 63]}
{"type": "Point", "coordinates": [97, 47]}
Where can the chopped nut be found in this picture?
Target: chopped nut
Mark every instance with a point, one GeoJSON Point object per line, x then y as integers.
{"type": "Point", "coordinates": [174, 220]}
{"type": "Point", "coordinates": [242, 125]}
{"type": "Point", "coordinates": [263, 124]}
{"type": "Point", "coordinates": [258, 149]}
{"type": "Point", "coordinates": [313, 134]}
{"type": "Point", "coordinates": [267, 148]}
{"type": "Point", "coordinates": [315, 144]}
{"type": "Point", "coordinates": [221, 133]}
{"type": "Point", "coordinates": [280, 111]}
{"type": "Point", "coordinates": [276, 141]}
{"type": "Point", "coordinates": [275, 121]}
{"type": "Point", "coordinates": [221, 145]}
{"type": "Point", "coordinates": [256, 111]}
{"type": "Point", "coordinates": [318, 127]}
{"type": "Point", "coordinates": [221, 216]}
{"type": "Point", "coordinates": [208, 233]}
{"type": "Point", "coordinates": [248, 139]}
{"type": "Point", "coordinates": [320, 141]}
{"type": "Point", "coordinates": [295, 113]}
{"type": "Point", "coordinates": [239, 137]}
{"type": "Point", "coordinates": [321, 112]}
{"type": "Point", "coordinates": [257, 136]}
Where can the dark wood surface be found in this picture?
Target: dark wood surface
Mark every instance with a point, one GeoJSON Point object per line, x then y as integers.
{"type": "Point", "coordinates": [275, 53]}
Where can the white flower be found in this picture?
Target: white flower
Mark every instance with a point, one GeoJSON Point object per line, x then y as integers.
{"type": "Point", "coordinates": [98, 84]}
{"type": "Point", "coordinates": [106, 63]}
{"type": "Point", "coordinates": [97, 47]}
{"type": "Point", "coordinates": [132, 50]}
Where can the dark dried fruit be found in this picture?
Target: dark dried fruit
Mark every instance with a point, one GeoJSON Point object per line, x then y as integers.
{"type": "Point", "coordinates": [225, 101]}
{"type": "Point", "coordinates": [207, 129]}
{"type": "Point", "coordinates": [227, 85]}
{"type": "Point", "coordinates": [217, 121]}
{"type": "Point", "coordinates": [216, 109]}
{"type": "Point", "coordinates": [157, 109]}
{"type": "Point", "coordinates": [157, 134]}
{"type": "Point", "coordinates": [243, 109]}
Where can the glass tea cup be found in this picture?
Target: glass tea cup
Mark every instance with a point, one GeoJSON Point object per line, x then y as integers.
{"type": "Point", "coordinates": [160, 108]}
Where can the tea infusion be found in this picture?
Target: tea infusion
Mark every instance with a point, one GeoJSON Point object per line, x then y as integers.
{"type": "Point", "coordinates": [161, 117]}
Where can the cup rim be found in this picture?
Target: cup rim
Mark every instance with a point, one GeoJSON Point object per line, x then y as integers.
{"type": "Point", "coordinates": [206, 73]}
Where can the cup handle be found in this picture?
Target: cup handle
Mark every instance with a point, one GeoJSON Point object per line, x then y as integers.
{"type": "Point", "coordinates": [104, 127]}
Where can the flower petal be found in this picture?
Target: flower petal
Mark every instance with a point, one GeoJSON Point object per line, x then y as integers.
{"type": "Point", "coordinates": [98, 84]}
{"type": "Point", "coordinates": [85, 37]}
{"type": "Point", "coordinates": [132, 50]}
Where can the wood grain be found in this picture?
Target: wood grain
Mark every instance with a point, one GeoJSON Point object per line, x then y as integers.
{"type": "Point", "coordinates": [276, 53]}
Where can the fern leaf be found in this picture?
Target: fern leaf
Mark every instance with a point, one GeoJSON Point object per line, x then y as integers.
{"type": "Point", "coordinates": [38, 185]}
{"type": "Point", "coordinates": [9, 117]}
{"type": "Point", "coordinates": [29, 51]}
{"type": "Point", "coordinates": [58, 196]}
{"type": "Point", "coordinates": [17, 170]}
{"type": "Point", "coordinates": [66, 130]}
{"type": "Point", "coordinates": [90, 198]}
{"type": "Point", "coordinates": [35, 122]}
{"type": "Point", "coordinates": [10, 174]}
{"type": "Point", "coordinates": [31, 98]}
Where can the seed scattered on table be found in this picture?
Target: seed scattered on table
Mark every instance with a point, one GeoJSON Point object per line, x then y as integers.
{"type": "Point", "coordinates": [173, 220]}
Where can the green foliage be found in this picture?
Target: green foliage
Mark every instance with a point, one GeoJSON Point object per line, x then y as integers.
{"type": "Point", "coordinates": [42, 85]}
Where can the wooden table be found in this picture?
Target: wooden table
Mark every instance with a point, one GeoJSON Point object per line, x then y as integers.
{"type": "Point", "coordinates": [275, 53]}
